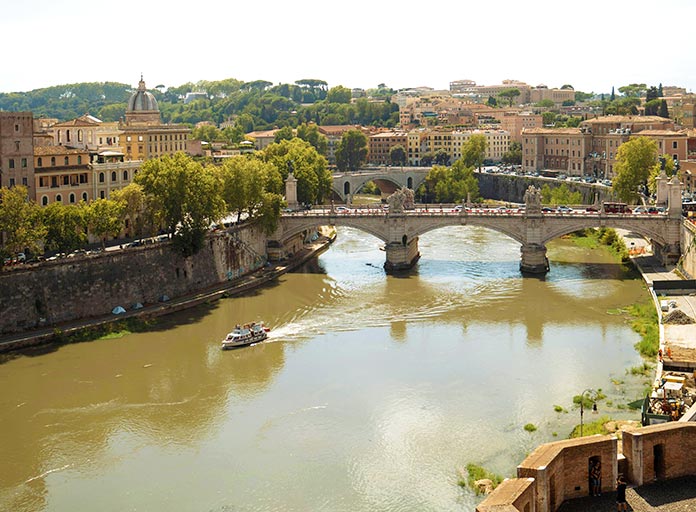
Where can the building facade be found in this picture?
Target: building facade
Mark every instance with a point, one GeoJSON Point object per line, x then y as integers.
{"type": "Point", "coordinates": [17, 151]}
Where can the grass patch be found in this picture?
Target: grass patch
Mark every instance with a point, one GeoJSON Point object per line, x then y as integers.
{"type": "Point", "coordinates": [530, 427]}
{"type": "Point", "coordinates": [594, 238]}
{"type": "Point", "coordinates": [558, 408]}
{"type": "Point", "coordinates": [645, 370]}
{"type": "Point", "coordinates": [476, 472]}
{"type": "Point", "coordinates": [589, 399]}
{"type": "Point", "coordinates": [590, 429]}
{"type": "Point", "coordinates": [644, 322]}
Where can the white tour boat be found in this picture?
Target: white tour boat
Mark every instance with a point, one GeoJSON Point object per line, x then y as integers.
{"type": "Point", "coordinates": [246, 334]}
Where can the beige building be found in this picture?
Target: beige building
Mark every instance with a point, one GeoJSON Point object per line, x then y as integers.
{"type": "Point", "coordinates": [558, 96]}
{"type": "Point", "coordinates": [144, 136]}
{"type": "Point", "coordinates": [497, 143]}
{"type": "Point", "coordinates": [62, 175]}
{"type": "Point", "coordinates": [17, 150]}
{"type": "Point", "coordinates": [381, 144]}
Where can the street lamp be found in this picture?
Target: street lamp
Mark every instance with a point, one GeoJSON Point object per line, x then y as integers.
{"type": "Point", "coordinates": [582, 404]}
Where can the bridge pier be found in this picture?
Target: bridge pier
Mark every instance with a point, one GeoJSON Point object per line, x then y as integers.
{"type": "Point", "coordinates": [534, 260]}
{"type": "Point", "coordinates": [401, 255]}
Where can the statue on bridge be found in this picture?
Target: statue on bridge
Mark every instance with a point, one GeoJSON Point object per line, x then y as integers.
{"type": "Point", "coordinates": [532, 200]}
{"type": "Point", "coordinates": [402, 199]}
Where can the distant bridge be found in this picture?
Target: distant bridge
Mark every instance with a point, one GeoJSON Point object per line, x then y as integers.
{"type": "Point", "coordinates": [387, 179]}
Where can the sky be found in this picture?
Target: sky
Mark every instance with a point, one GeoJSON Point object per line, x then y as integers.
{"type": "Point", "coordinates": [593, 45]}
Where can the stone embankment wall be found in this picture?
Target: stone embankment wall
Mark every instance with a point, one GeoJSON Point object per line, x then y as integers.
{"type": "Point", "coordinates": [687, 263]}
{"type": "Point", "coordinates": [512, 188]}
{"type": "Point", "coordinates": [88, 286]}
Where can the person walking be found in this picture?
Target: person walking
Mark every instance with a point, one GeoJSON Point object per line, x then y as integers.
{"type": "Point", "coordinates": [621, 505]}
{"type": "Point", "coordinates": [596, 479]}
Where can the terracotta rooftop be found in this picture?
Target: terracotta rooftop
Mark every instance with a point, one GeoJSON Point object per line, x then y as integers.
{"type": "Point", "coordinates": [628, 119]}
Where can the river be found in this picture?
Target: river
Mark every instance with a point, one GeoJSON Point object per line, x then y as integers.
{"type": "Point", "coordinates": [372, 393]}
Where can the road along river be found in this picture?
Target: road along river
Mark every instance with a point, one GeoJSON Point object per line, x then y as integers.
{"type": "Point", "coordinates": [371, 393]}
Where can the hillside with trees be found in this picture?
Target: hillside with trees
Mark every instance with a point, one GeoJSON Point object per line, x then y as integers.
{"type": "Point", "coordinates": [257, 105]}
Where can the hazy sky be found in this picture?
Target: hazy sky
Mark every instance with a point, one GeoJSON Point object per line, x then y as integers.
{"type": "Point", "coordinates": [590, 44]}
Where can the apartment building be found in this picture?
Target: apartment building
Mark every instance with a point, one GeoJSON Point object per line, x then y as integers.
{"type": "Point", "coordinates": [62, 175]}
{"type": "Point", "coordinates": [591, 149]}
{"type": "Point", "coordinates": [381, 144]}
{"type": "Point", "coordinates": [497, 143]}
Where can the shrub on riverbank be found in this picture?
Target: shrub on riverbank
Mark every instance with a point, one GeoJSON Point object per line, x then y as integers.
{"type": "Point", "coordinates": [644, 322]}
{"type": "Point", "coordinates": [476, 473]}
{"type": "Point", "coordinates": [106, 331]}
{"type": "Point", "coordinates": [590, 429]}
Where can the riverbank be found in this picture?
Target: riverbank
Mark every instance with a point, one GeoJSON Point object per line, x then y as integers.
{"type": "Point", "coordinates": [233, 287]}
{"type": "Point", "coordinates": [676, 354]}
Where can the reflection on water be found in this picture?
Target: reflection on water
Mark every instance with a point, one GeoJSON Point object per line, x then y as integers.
{"type": "Point", "coordinates": [370, 394]}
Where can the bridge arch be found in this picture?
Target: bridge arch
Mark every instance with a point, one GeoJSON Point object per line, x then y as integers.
{"type": "Point", "coordinates": [510, 231]}
{"type": "Point", "coordinates": [652, 233]}
{"type": "Point", "coordinates": [350, 222]}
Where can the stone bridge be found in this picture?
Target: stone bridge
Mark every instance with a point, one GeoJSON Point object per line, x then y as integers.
{"type": "Point", "coordinates": [400, 228]}
{"type": "Point", "coordinates": [388, 179]}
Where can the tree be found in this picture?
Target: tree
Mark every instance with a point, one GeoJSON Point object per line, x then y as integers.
{"type": "Point", "coordinates": [104, 218]}
{"type": "Point", "coordinates": [474, 151]}
{"type": "Point", "coordinates": [310, 133]}
{"type": "Point", "coordinates": [66, 226]}
{"type": "Point", "coordinates": [206, 132]}
{"type": "Point", "coordinates": [663, 111]}
{"type": "Point", "coordinates": [309, 167]}
{"type": "Point", "coordinates": [633, 90]}
{"type": "Point", "coordinates": [635, 160]}
{"type": "Point", "coordinates": [548, 118]}
{"type": "Point", "coordinates": [244, 181]}
{"type": "Point", "coordinates": [513, 156]}
{"type": "Point", "coordinates": [134, 214]}
{"type": "Point", "coordinates": [20, 221]}
{"type": "Point", "coordinates": [545, 103]}
{"type": "Point", "coordinates": [567, 86]}
{"type": "Point", "coordinates": [184, 196]}
{"type": "Point", "coordinates": [492, 102]}
{"type": "Point", "coordinates": [397, 155]}
{"type": "Point", "coordinates": [442, 157]}
{"type": "Point", "coordinates": [559, 195]}
{"type": "Point", "coordinates": [351, 151]}
{"type": "Point", "coordinates": [339, 94]}
{"type": "Point", "coordinates": [509, 94]}
{"type": "Point", "coordinates": [451, 184]}
{"type": "Point", "coordinates": [285, 133]}
{"type": "Point", "coordinates": [583, 96]}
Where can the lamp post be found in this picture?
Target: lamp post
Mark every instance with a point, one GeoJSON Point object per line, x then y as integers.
{"type": "Point", "coordinates": [582, 405]}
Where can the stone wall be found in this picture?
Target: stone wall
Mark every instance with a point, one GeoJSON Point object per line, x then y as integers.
{"type": "Point", "coordinates": [89, 286]}
{"type": "Point", "coordinates": [505, 187]}
{"type": "Point", "coordinates": [687, 263]}
{"type": "Point", "coordinates": [559, 470]}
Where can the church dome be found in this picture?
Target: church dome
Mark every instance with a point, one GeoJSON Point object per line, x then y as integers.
{"type": "Point", "coordinates": [141, 100]}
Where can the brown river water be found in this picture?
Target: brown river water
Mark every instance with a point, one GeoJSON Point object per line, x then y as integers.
{"type": "Point", "coordinates": [372, 392]}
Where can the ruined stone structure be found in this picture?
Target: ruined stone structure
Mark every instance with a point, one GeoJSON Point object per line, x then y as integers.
{"type": "Point", "coordinates": [559, 471]}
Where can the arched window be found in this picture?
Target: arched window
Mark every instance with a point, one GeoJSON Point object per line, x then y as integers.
{"type": "Point", "coordinates": [66, 161]}
{"type": "Point", "coordinates": [79, 159]}
{"type": "Point", "coordinates": [53, 161]}
{"type": "Point", "coordinates": [72, 198]}
{"type": "Point", "coordinates": [67, 135]}
{"type": "Point", "coordinates": [44, 200]}
{"type": "Point", "coordinates": [59, 198]}
{"type": "Point", "coordinates": [113, 175]}
{"type": "Point", "coordinates": [84, 196]}
{"type": "Point", "coordinates": [101, 194]}
{"type": "Point", "coordinates": [125, 175]}
{"type": "Point", "coordinates": [39, 162]}
{"type": "Point", "coordinates": [79, 135]}
{"type": "Point", "coordinates": [101, 177]}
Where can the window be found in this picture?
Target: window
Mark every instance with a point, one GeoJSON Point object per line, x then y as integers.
{"type": "Point", "coordinates": [113, 176]}
{"type": "Point", "coordinates": [44, 201]}
{"type": "Point", "coordinates": [25, 181]}
{"type": "Point", "coordinates": [128, 138]}
{"type": "Point", "coordinates": [16, 128]}
{"type": "Point", "coordinates": [66, 161]}
{"type": "Point", "coordinates": [79, 159]}
{"type": "Point", "coordinates": [39, 162]}
{"type": "Point", "coordinates": [101, 194]}
{"type": "Point", "coordinates": [79, 135]}
{"type": "Point", "coordinates": [140, 138]}
{"type": "Point", "coordinates": [72, 198]}
{"type": "Point", "coordinates": [101, 177]}
{"type": "Point", "coordinates": [125, 175]}
{"type": "Point", "coordinates": [59, 199]}
{"type": "Point", "coordinates": [24, 163]}
{"type": "Point", "coordinates": [674, 144]}
{"type": "Point", "coordinates": [12, 182]}
{"type": "Point", "coordinates": [53, 161]}
{"type": "Point", "coordinates": [84, 196]}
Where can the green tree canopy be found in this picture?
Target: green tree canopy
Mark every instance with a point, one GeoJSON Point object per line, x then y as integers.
{"type": "Point", "coordinates": [351, 151]}
{"type": "Point", "coordinates": [309, 168]}
{"type": "Point", "coordinates": [339, 94]}
{"type": "Point", "coordinates": [474, 151]}
{"type": "Point", "coordinates": [104, 218]}
{"type": "Point", "coordinates": [184, 196]}
{"type": "Point", "coordinates": [397, 155]}
{"type": "Point", "coordinates": [245, 181]}
{"type": "Point", "coordinates": [310, 133]}
{"type": "Point", "coordinates": [20, 221]}
{"type": "Point", "coordinates": [134, 215]}
{"type": "Point", "coordinates": [66, 226]}
{"type": "Point", "coordinates": [509, 94]}
{"type": "Point", "coordinates": [635, 161]}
